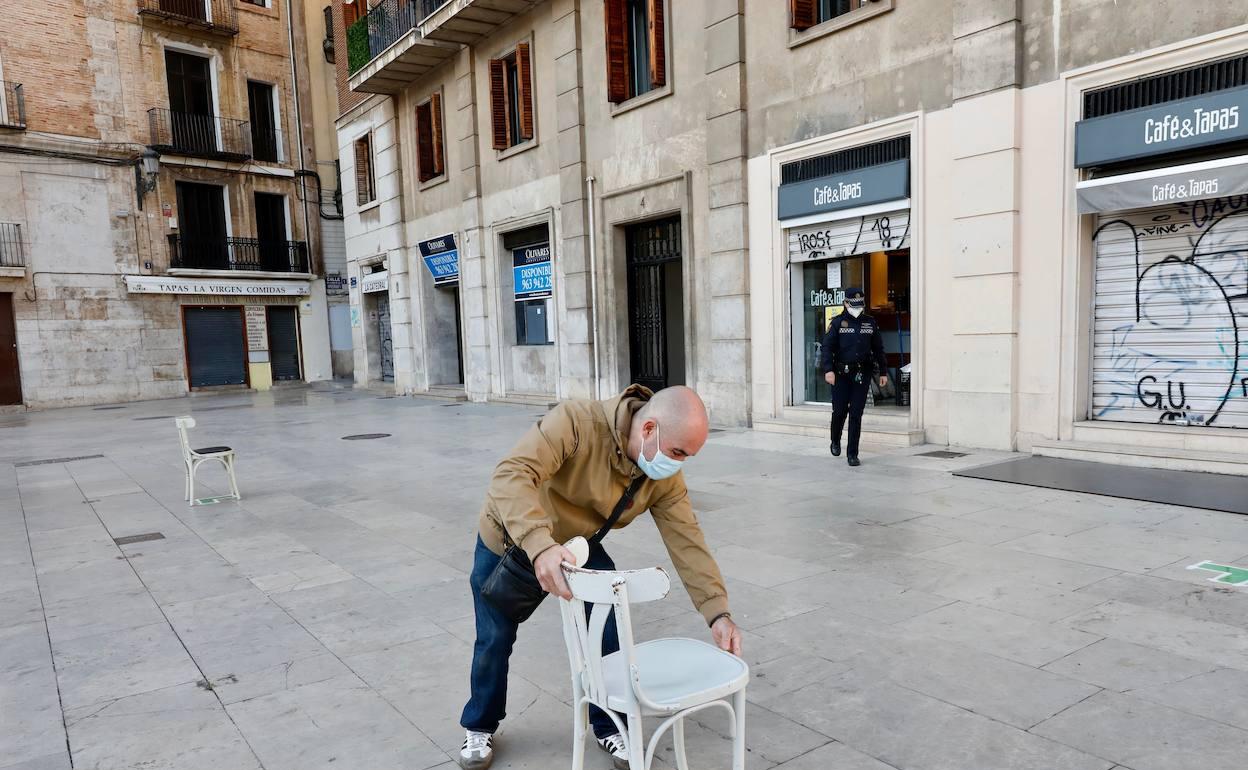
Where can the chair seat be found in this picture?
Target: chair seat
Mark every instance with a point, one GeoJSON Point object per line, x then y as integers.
{"type": "Point", "coordinates": [212, 450]}
{"type": "Point", "coordinates": [675, 673]}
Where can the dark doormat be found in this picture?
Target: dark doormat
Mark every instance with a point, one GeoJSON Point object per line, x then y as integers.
{"type": "Point", "coordinates": [1213, 491]}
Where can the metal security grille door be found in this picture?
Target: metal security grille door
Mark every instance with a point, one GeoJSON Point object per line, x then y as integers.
{"type": "Point", "coordinates": [655, 304]}
{"type": "Point", "coordinates": [386, 348]}
{"type": "Point", "coordinates": [216, 347]}
{"type": "Point", "coordinates": [283, 343]}
{"type": "Point", "coordinates": [1171, 315]}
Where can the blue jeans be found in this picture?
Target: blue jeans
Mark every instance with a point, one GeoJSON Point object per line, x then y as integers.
{"type": "Point", "coordinates": [496, 635]}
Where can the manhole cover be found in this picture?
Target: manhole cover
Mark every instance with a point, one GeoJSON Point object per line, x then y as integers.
{"type": "Point", "coordinates": [106, 408]}
{"type": "Point", "coordinates": [146, 536]}
{"type": "Point", "coordinates": [156, 417]}
{"type": "Point", "coordinates": [365, 436]}
{"type": "Point", "coordinates": [942, 454]}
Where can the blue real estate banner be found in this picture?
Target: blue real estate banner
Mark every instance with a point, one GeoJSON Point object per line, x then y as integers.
{"type": "Point", "coordinates": [531, 271]}
{"type": "Point", "coordinates": [442, 258]}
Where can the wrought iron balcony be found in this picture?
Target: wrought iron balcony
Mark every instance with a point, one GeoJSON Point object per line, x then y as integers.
{"type": "Point", "coordinates": [254, 254]}
{"type": "Point", "coordinates": [216, 16]}
{"type": "Point", "coordinates": [385, 50]}
{"type": "Point", "coordinates": [202, 136]}
{"type": "Point", "coordinates": [268, 145]}
{"type": "Point", "coordinates": [11, 252]}
{"type": "Point", "coordinates": [12, 105]}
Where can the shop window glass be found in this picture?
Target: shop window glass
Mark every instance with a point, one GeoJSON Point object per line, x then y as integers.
{"type": "Point", "coordinates": [533, 322]}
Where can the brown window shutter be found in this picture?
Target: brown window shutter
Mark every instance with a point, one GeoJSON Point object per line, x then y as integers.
{"type": "Point", "coordinates": [424, 143]}
{"type": "Point", "coordinates": [803, 14]}
{"type": "Point", "coordinates": [435, 120]}
{"type": "Point", "coordinates": [658, 48]}
{"type": "Point", "coordinates": [363, 172]}
{"type": "Point", "coordinates": [617, 50]}
{"type": "Point", "coordinates": [524, 67]}
{"type": "Point", "coordinates": [498, 104]}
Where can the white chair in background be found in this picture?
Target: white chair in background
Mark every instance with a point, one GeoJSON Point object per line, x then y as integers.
{"type": "Point", "coordinates": [670, 678]}
{"type": "Point", "coordinates": [193, 458]}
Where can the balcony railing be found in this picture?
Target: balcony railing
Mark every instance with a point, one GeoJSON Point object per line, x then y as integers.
{"type": "Point", "coordinates": [203, 136]}
{"type": "Point", "coordinates": [217, 16]}
{"type": "Point", "coordinates": [11, 251]}
{"type": "Point", "coordinates": [258, 254]}
{"type": "Point", "coordinates": [12, 105]}
{"type": "Point", "coordinates": [382, 26]}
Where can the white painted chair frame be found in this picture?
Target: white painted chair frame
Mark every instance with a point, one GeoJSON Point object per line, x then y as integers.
{"type": "Point", "coordinates": [616, 590]}
{"type": "Point", "coordinates": [193, 459]}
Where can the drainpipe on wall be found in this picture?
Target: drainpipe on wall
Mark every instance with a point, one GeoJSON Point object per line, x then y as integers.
{"type": "Point", "coordinates": [593, 283]}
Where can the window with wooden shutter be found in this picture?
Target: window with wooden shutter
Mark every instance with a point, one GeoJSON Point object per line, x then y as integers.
{"type": "Point", "coordinates": [657, 44]}
{"type": "Point", "coordinates": [439, 148]}
{"type": "Point", "coordinates": [498, 104]}
{"type": "Point", "coordinates": [618, 74]}
{"type": "Point", "coordinates": [803, 14]}
{"type": "Point", "coordinates": [424, 142]}
{"type": "Point", "coordinates": [364, 186]}
{"type": "Point", "coordinates": [524, 103]}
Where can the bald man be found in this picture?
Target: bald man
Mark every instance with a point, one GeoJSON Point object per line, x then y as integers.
{"type": "Point", "coordinates": [563, 479]}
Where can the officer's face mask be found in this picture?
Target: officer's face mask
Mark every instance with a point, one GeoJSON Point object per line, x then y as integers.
{"type": "Point", "coordinates": [662, 466]}
{"type": "Point", "coordinates": [855, 306]}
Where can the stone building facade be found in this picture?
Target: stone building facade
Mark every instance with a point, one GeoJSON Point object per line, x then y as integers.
{"type": "Point", "coordinates": [702, 225]}
{"type": "Point", "coordinates": [158, 230]}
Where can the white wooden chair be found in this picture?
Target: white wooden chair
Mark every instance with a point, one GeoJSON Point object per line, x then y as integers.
{"type": "Point", "coordinates": [669, 678]}
{"type": "Point", "coordinates": [193, 458]}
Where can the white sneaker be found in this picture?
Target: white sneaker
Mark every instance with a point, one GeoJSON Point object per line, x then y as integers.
{"type": "Point", "coordinates": [478, 750]}
{"type": "Point", "coordinates": [615, 746]}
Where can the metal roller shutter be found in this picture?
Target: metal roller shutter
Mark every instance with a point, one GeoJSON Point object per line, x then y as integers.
{"type": "Point", "coordinates": [1171, 315]}
{"type": "Point", "coordinates": [283, 343]}
{"type": "Point", "coordinates": [216, 347]}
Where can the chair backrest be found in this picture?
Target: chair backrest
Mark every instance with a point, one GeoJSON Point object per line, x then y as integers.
{"type": "Point", "coordinates": [184, 424]}
{"type": "Point", "coordinates": [604, 591]}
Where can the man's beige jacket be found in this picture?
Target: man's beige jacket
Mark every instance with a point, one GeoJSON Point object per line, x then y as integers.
{"type": "Point", "coordinates": [564, 478]}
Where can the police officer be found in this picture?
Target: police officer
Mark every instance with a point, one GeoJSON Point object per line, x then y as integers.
{"type": "Point", "coordinates": [852, 354]}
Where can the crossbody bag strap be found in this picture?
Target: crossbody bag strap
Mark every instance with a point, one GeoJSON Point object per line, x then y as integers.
{"type": "Point", "coordinates": [625, 501]}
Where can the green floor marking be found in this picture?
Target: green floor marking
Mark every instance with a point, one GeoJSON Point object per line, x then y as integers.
{"type": "Point", "coordinates": [212, 500]}
{"type": "Point", "coordinates": [1235, 576]}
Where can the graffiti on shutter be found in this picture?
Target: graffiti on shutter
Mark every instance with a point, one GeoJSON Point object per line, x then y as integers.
{"type": "Point", "coordinates": [1170, 334]}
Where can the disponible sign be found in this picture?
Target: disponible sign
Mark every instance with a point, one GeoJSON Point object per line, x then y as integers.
{"type": "Point", "coordinates": [1178, 184]}
{"type": "Point", "coordinates": [863, 187]}
{"type": "Point", "coordinates": [531, 271]}
{"type": "Point", "coordinates": [154, 284]}
{"type": "Point", "coordinates": [1201, 121]}
{"type": "Point", "coordinates": [442, 258]}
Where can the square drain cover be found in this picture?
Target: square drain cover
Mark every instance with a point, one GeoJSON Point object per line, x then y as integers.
{"type": "Point", "coordinates": [942, 454]}
{"type": "Point", "coordinates": [146, 536]}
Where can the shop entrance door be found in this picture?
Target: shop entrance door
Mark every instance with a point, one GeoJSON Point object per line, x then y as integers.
{"type": "Point", "coordinates": [216, 346]}
{"type": "Point", "coordinates": [656, 308]}
{"type": "Point", "coordinates": [10, 375]}
{"type": "Point", "coordinates": [284, 343]}
{"type": "Point", "coordinates": [386, 347]}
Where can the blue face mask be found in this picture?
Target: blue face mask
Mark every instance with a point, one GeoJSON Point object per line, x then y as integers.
{"type": "Point", "coordinates": [662, 466]}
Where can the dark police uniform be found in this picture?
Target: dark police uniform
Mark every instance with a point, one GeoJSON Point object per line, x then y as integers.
{"type": "Point", "coordinates": [854, 351]}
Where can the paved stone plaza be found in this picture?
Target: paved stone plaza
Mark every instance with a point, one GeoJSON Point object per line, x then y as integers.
{"type": "Point", "coordinates": [894, 615]}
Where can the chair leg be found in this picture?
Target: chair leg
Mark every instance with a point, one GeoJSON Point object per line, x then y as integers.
{"type": "Point", "coordinates": [636, 744]}
{"type": "Point", "coordinates": [678, 739]}
{"type": "Point", "coordinates": [229, 467]}
{"type": "Point", "coordinates": [192, 467]}
{"type": "Point", "coordinates": [186, 483]}
{"type": "Point", "coordinates": [738, 730]}
{"type": "Point", "coordinates": [580, 718]}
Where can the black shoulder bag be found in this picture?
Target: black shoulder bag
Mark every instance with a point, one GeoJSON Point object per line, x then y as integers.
{"type": "Point", "coordinates": [513, 587]}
